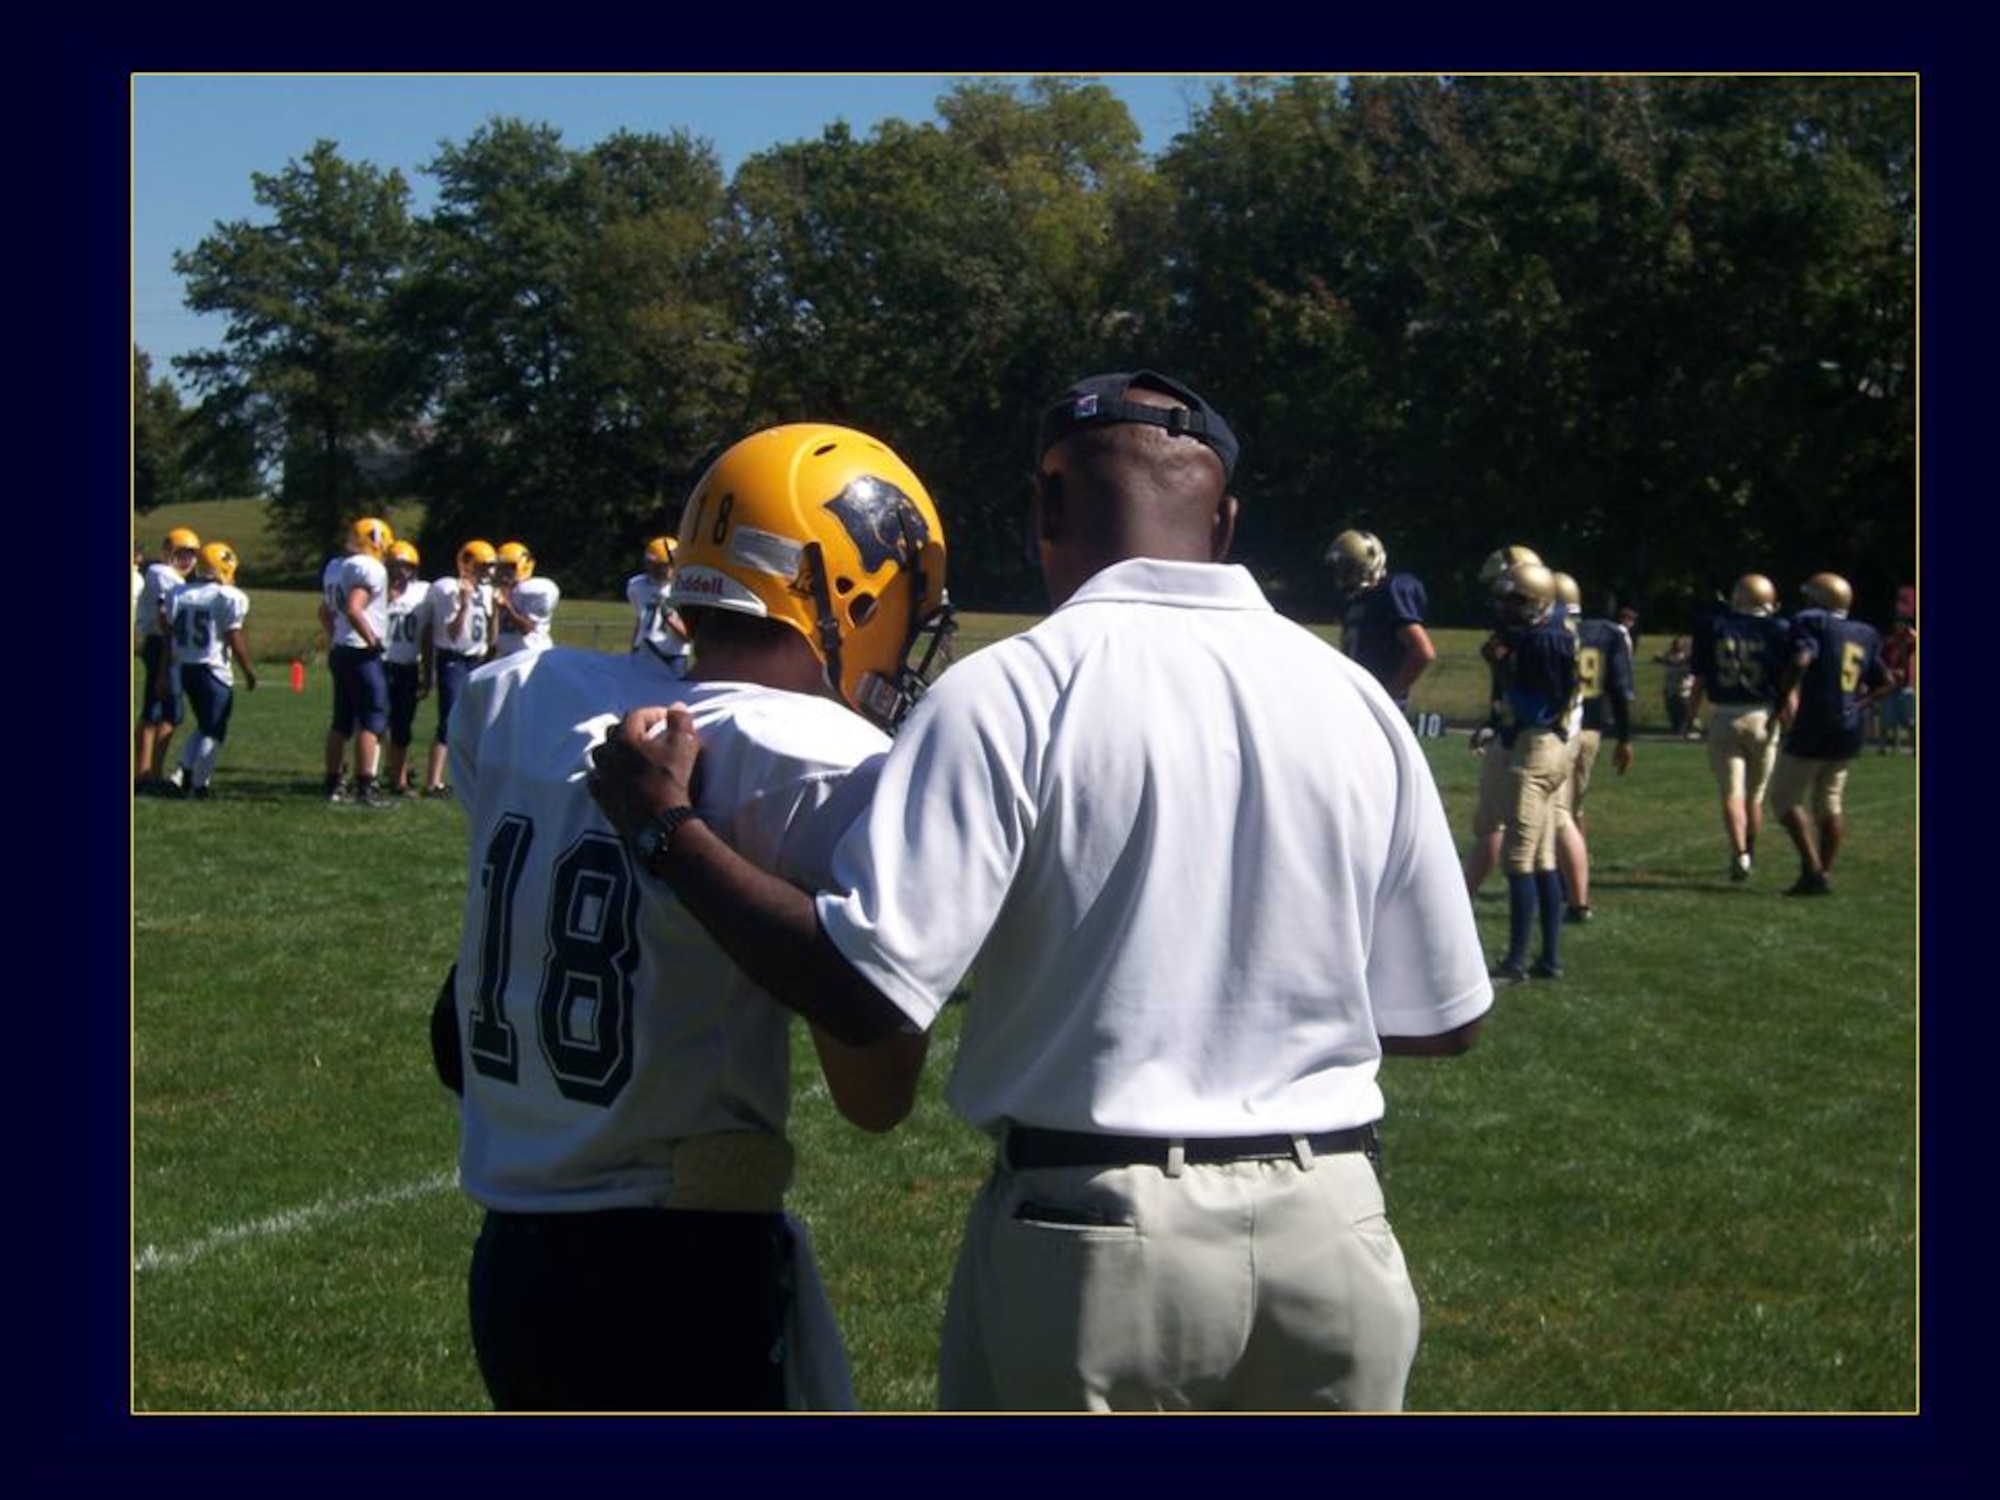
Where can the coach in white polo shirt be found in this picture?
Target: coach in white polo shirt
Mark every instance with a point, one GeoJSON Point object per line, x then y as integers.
{"type": "Point", "coordinates": [1205, 875]}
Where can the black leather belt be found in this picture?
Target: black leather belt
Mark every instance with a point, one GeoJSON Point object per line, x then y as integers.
{"type": "Point", "coordinates": [1027, 1147]}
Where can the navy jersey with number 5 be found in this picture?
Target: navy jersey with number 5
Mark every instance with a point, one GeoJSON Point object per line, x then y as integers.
{"type": "Point", "coordinates": [1843, 664]}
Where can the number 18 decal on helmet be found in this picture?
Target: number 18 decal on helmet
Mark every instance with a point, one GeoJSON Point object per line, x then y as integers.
{"type": "Point", "coordinates": [825, 529]}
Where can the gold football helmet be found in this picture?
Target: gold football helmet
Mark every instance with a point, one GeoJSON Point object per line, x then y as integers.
{"type": "Point", "coordinates": [370, 536]}
{"type": "Point", "coordinates": [180, 539]}
{"type": "Point", "coordinates": [1525, 592]}
{"type": "Point", "coordinates": [516, 562]}
{"type": "Point", "coordinates": [661, 550]}
{"type": "Point", "coordinates": [404, 553]}
{"type": "Point", "coordinates": [1830, 592]}
{"type": "Point", "coordinates": [1567, 590]}
{"type": "Point", "coordinates": [476, 559]}
{"type": "Point", "coordinates": [1358, 559]}
{"type": "Point", "coordinates": [1500, 559]}
{"type": "Point", "coordinates": [218, 561]}
{"type": "Point", "coordinates": [1754, 594]}
{"type": "Point", "coordinates": [825, 529]}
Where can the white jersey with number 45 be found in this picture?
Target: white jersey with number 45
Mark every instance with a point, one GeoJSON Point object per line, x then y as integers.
{"type": "Point", "coordinates": [599, 1021]}
{"type": "Point", "coordinates": [203, 616]}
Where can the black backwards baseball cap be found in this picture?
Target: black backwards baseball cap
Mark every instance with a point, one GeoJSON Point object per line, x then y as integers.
{"type": "Point", "coordinates": [1099, 401]}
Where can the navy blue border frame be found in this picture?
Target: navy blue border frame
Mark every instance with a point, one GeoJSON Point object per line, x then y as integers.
{"type": "Point", "coordinates": [70, 1222]}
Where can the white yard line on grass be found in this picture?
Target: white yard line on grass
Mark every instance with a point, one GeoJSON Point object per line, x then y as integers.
{"type": "Point", "coordinates": [290, 1221]}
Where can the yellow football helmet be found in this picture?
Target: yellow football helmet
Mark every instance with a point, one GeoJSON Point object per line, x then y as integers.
{"type": "Point", "coordinates": [661, 550]}
{"type": "Point", "coordinates": [476, 559]}
{"type": "Point", "coordinates": [1525, 592]}
{"type": "Point", "coordinates": [370, 536]}
{"type": "Point", "coordinates": [515, 560]}
{"type": "Point", "coordinates": [1830, 592]}
{"type": "Point", "coordinates": [180, 539]}
{"type": "Point", "coordinates": [1500, 559]}
{"type": "Point", "coordinates": [827, 530]}
{"type": "Point", "coordinates": [218, 561]}
{"type": "Point", "coordinates": [1358, 559]}
{"type": "Point", "coordinates": [1754, 594]}
{"type": "Point", "coordinates": [405, 553]}
{"type": "Point", "coordinates": [1567, 590]}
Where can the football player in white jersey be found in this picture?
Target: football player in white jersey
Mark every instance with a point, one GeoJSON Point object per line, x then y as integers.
{"type": "Point", "coordinates": [656, 626]}
{"type": "Point", "coordinates": [354, 612]}
{"type": "Point", "coordinates": [461, 636]}
{"type": "Point", "coordinates": [207, 631]}
{"type": "Point", "coordinates": [407, 661]}
{"type": "Point", "coordinates": [625, 1086]}
{"type": "Point", "coordinates": [523, 604]}
{"type": "Point", "coordinates": [160, 703]}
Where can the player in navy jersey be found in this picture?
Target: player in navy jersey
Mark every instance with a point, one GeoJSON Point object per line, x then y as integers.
{"type": "Point", "coordinates": [1382, 618]}
{"type": "Point", "coordinates": [1836, 674]}
{"type": "Point", "coordinates": [1604, 684]}
{"type": "Point", "coordinates": [1738, 662]}
{"type": "Point", "coordinates": [1538, 670]}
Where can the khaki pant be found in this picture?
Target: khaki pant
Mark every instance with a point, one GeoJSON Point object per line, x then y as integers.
{"type": "Point", "coordinates": [1819, 785]}
{"type": "Point", "coordinates": [1537, 768]}
{"type": "Point", "coordinates": [1240, 1286]}
{"type": "Point", "coordinates": [1742, 748]}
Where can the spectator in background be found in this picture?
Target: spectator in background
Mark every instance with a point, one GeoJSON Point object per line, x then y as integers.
{"type": "Point", "coordinates": [1677, 686]}
{"type": "Point", "coordinates": [1898, 709]}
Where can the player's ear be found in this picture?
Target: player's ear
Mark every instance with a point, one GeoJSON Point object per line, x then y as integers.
{"type": "Point", "coordinates": [1222, 531]}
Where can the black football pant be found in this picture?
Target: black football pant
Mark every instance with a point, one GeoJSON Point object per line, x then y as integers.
{"type": "Point", "coordinates": [631, 1310]}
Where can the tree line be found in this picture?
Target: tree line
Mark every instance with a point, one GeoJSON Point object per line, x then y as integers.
{"type": "Point", "coordinates": [1662, 329]}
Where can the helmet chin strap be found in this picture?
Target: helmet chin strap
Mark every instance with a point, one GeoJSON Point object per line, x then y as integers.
{"type": "Point", "coordinates": [826, 624]}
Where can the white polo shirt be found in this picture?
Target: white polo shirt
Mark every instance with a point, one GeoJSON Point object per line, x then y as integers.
{"type": "Point", "coordinates": [1194, 854]}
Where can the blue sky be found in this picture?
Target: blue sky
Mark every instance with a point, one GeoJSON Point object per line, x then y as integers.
{"type": "Point", "coordinates": [197, 138]}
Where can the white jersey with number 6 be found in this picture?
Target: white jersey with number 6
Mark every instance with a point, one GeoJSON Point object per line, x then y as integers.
{"type": "Point", "coordinates": [470, 637]}
{"type": "Point", "coordinates": [600, 1022]}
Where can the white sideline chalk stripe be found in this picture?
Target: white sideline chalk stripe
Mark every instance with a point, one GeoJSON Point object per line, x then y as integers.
{"type": "Point", "coordinates": [291, 1221]}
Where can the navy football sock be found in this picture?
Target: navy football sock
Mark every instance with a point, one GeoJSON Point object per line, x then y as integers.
{"type": "Point", "coordinates": [1520, 918]}
{"type": "Point", "coordinates": [1550, 888]}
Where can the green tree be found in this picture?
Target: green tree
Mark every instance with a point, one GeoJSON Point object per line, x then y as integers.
{"type": "Point", "coordinates": [933, 284]}
{"type": "Point", "coordinates": [578, 325]}
{"type": "Point", "coordinates": [157, 440]}
{"type": "Point", "coordinates": [311, 370]}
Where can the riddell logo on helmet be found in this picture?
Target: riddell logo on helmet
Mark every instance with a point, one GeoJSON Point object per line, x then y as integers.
{"type": "Point", "coordinates": [699, 583]}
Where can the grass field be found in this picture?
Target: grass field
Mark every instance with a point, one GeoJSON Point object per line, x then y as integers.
{"type": "Point", "coordinates": [1682, 1179]}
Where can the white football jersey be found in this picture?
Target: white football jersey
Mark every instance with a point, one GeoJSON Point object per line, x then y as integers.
{"type": "Point", "coordinates": [600, 1022]}
{"type": "Point", "coordinates": [203, 616]}
{"type": "Point", "coordinates": [342, 576]}
{"type": "Point", "coordinates": [407, 613]}
{"type": "Point", "coordinates": [652, 617]}
{"type": "Point", "coordinates": [473, 628]}
{"type": "Point", "coordinates": [162, 583]}
{"type": "Point", "coordinates": [537, 599]}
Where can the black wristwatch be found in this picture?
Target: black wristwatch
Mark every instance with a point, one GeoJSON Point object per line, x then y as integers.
{"type": "Point", "coordinates": [656, 836]}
